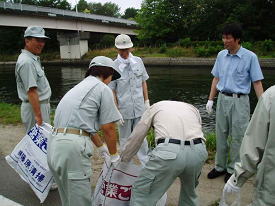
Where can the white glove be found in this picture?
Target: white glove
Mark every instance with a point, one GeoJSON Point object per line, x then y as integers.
{"type": "Point", "coordinates": [121, 120]}
{"type": "Point", "coordinates": [209, 106]}
{"type": "Point", "coordinates": [230, 186]}
{"type": "Point", "coordinates": [115, 159]}
{"type": "Point", "coordinates": [147, 104]}
{"type": "Point", "coordinates": [103, 150]}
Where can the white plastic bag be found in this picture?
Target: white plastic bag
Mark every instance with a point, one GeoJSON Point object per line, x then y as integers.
{"type": "Point", "coordinates": [29, 160]}
{"type": "Point", "coordinates": [115, 184]}
{"type": "Point", "coordinates": [232, 199]}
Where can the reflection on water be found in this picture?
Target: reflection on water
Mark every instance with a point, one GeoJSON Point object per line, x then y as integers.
{"type": "Point", "coordinates": [191, 85]}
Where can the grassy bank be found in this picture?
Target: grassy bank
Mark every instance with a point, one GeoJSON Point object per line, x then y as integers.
{"type": "Point", "coordinates": [9, 114]}
{"type": "Point", "coordinates": [182, 48]}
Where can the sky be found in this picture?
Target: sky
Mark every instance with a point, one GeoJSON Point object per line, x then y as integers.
{"type": "Point", "coordinates": [123, 4]}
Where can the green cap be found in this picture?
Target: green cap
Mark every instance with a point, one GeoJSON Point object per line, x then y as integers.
{"type": "Point", "coordinates": [35, 31]}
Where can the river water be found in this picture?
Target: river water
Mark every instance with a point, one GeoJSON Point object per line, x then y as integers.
{"type": "Point", "coordinates": [189, 84]}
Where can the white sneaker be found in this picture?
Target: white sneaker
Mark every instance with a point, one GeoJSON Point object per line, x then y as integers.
{"type": "Point", "coordinates": [54, 187]}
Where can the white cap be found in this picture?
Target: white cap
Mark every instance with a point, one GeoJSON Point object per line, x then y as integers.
{"type": "Point", "coordinates": [123, 41]}
{"type": "Point", "coordinates": [35, 31]}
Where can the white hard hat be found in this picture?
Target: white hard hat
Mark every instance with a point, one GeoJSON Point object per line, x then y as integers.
{"type": "Point", "coordinates": [103, 61]}
{"type": "Point", "coordinates": [123, 41]}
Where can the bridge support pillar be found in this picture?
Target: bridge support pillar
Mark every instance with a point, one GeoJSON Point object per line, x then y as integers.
{"type": "Point", "coordinates": [73, 45]}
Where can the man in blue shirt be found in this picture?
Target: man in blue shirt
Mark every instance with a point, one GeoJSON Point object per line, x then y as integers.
{"type": "Point", "coordinates": [234, 70]}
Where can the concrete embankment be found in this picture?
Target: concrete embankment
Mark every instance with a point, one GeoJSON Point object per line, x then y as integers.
{"type": "Point", "coordinates": [266, 63]}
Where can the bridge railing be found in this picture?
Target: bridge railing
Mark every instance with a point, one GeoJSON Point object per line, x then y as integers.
{"type": "Point", "coordinates": [59, 12]}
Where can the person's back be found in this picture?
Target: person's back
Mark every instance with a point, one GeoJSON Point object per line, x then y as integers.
{"type": "Point", "coordinates": [79, 107]}
{"type": "Point", "coordinates": [185, 119]}
{"type": "Point", "coordinates": [180, 152]}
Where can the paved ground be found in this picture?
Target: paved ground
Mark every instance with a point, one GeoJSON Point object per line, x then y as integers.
{"type": "Point", "coordinates": [15, 189]}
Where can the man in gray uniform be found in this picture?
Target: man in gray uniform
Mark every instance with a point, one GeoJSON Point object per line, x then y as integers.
{"type": "Point", "coordinates": [83, 110]}
{"type": "Point", "coordinates": [257, 153]}
{"type": "Point", "coordinates": [32, 85]}
{"type": "Point", "coordinates": [130, 91]}
{"type": "Point", "coordinates": [180, 152]}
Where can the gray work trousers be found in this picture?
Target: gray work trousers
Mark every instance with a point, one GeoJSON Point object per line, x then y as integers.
{"type": "Point", "coordinates": [124, 132]}
{"type": "Point", "coordinates": [27, 114]}
{"type": "Point", "coordinates": [167, 162]}
{"type": "Point", "coordinates": [69, 161]}
{"type": "Point", "coordinates": [232, 118]}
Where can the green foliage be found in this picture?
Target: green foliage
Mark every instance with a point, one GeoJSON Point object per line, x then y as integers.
{"type": "Point", "coordinates": [151, 139]}
{"type": "Point", "coordinates": [107, 9]}
{"type": "Point", "coordinates": [107, 41]}
{"type": "Point", "coordinates": [207, 51]}
{"type": "Point", "coordinates": [247, 45]}
{"type": "Point", "coordinates": [210, 141]}
{"type": "Point", "coordinates": [81, 6]}
{"type": "Point", "coordinates": [130, 13]}
{"type": "Point", "coordinates": [163, 48]}
{"type": "Point", "coordinates": [176, 52]}
{"type": "Point", "coordinates": [9, 113]}
{"type": "Point", "coordinates": [58, 4]}
{"type": "Point", "coordinates": [186, 42]}
{"type": "Point", "coordinates": [210, 145]}
{"type": "Point", "coordinates": [203, 19]}
{"type": "Point", "coordinates": [111, 52]}
{"type": "Point", "coordinates": [267, 45]}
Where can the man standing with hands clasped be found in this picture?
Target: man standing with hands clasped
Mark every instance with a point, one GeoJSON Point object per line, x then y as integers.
{"type": "Point", "coordinates": [130, 91]}
{"type": "Point", "coordinates": [32, 85]}
{"type": "Point", "coordinates": [234, 70]}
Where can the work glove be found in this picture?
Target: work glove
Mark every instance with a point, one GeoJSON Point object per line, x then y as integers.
{"type": "Point", "coordinates": [147, 104]}
{"type": "Point", "coordinates": [209, 106]}
{"type": "Point", "coordinates": [103, 150]}
{"type": "Point", "coordinates": [230, 186]}
{"type": "Point", "coordinates": [115, 159]}
{"type": "Point", "coordinates": [121, 120]}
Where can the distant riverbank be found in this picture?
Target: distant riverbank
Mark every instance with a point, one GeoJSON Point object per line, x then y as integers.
{"type": "Point", "coordinates": [266, 63]}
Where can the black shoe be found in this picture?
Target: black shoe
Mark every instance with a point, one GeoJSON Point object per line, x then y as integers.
{"type": "Point", "coordinates": [214, 173]}
{"type": "Point", "coordinates": [227, 176]}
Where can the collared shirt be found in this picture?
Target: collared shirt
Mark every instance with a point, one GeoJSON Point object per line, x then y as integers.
{"type": "Point", "coordinates": [29, 73]}
{"type": "Point", "coordinates": [236, 72]}
{"type": "Point", "coordinates": [129, 89]}
{"type": "Point", "coordinates": [170, 119]}
{"type": "Point", "coordinates": [86, 106]}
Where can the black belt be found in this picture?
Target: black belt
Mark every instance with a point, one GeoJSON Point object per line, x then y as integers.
{"type": "Point", "coordinates": [177, 141]}
{"type": "Point", "coordinates": [232, 94]}
{"type": "Point", "coordinates": [46, 101]}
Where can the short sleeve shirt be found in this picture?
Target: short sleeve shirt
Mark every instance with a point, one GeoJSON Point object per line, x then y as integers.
{"type": "Point", "coordinates": [236, 72]}
{"type": "Point", "coordinates": [129, 89]}
{"type": "Point", "coordinates": [29, 73]}
{"type": "Point", "coordinates": [172, 119]}
{"type": "Point", "coordinates": [87, 106]}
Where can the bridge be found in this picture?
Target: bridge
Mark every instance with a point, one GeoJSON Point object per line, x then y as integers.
{"type": "Point", "coordinates": [73, 44]}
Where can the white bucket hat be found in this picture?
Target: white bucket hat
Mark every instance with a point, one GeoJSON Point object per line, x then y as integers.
{"type": "Point", "coordinates": [103, 61]}
{"type": "Point", "coordinates": [123, 41]}
{"type": "Point", "coordinates": [35, 31]}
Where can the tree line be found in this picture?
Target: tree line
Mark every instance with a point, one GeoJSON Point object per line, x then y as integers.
{"type": "Point", "coordinates": [171, 20]}
{"type": "Point", "coordinates": [106, 9]}
{"type": "Point", "coordinates": [164, 21]}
